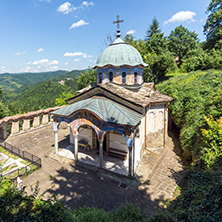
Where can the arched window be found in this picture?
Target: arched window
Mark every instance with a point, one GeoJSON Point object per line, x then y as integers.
{"type": "Point", "coordinates": [124, 77]}
{"type": "Point", "coordinates": [100, 77]}
{"type": "Point", "coordinates": [135, 77]}
{"type": "Point", "coordinates": [110, 76]}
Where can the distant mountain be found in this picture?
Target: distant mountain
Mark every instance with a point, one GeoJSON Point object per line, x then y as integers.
{"type": "Point", "coordinates": [12, 82]}
{"type": "Point", "coordinates": [38, 94]}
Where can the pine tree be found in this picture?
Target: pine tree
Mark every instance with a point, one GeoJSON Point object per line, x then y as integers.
{"type": "Point", "coordinates": [213, 26]}
{"type": "Point", "coordinates": [153, 29]}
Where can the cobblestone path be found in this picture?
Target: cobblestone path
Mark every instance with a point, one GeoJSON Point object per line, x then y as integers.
{"type": "Point", "coordinates": [157, 175]}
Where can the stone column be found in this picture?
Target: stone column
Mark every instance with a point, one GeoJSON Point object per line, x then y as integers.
{"type": "Point", "coordinates": [26, 124]}
{"type": "Point", "coordinates": [15, 127]}
{"type": "Point", "coordinates": [71, 137]}
{"type": "Point", "coordinates": [45, 119]}
{"type": "Point", "coordinates": [101, 154]}
{"type": "Point", "coordinates": [36, 122]}
{"type": "Point", "coordinates": [76, 147]}
{"type": "Point", "coordinates": [3, 131]}
{"type": "Point", "coordinates": [130, 160]}
{"type": "Point", "coordinates": [56, 144]}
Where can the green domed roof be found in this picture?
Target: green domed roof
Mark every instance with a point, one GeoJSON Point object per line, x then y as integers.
{"type": "Point", "coordinates": [120, 53]}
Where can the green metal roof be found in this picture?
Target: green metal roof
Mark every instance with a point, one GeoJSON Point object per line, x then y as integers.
{"type": "Point", "coordinates": [107, 110]}
{"type": "Point", "coordinates": [120, 53]}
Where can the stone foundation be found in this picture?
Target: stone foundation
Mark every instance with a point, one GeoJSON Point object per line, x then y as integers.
{"type": "Point", "coordinates": [155, 140]}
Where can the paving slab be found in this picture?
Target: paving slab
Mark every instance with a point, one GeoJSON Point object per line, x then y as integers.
{"type": "Point", "coordinates": [158, 175]}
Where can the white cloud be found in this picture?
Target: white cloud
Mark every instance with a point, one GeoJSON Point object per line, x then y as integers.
{"type": "Point", "coordinates": [76, 60]}
{"type": "Point", "coordinates": [53, 68]}
{"type": "Point", "coordinates": [40, 50]}
{"type": "Point", "coordinates": [66, 8]}
{"type": "Point", "coordinates": [66, 63]}
{"type": "Point", "coordinates": [182, 16]}
{"type": "Point", "coordinates": [19, 53]}
{"type": "Point", "coordinates": [44, 62]}
{"type": "Point", "coordinates": [78, 24]}
{"type": "Point", "coordinates": [25, 69]}
{"type": "Point", "coordinates": [85, 3]}
{"type": "Point", "coordinates": [3, 67]}
{"type": "Point", "coordinates": [131, 31]}
{"type": "Point", "coordinates": [72, 54]}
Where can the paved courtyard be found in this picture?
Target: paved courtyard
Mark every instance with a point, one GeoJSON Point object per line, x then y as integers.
{"type": "Point", "coordinates": [157, 175]}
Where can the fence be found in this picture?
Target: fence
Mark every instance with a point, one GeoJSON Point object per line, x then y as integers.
{"type": "Point", "coordinates": [12, 175]}
{"type": "Point", "coordinates": [22, 154]}
{"type": "Point", "coordinates": [35, 162]}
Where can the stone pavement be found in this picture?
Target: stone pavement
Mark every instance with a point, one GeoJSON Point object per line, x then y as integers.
{"type": "Point", "coordinates": [157, 175]}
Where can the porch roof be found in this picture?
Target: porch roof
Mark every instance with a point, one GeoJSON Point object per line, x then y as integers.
{"type": "Point", "coordinates": [107, 110]}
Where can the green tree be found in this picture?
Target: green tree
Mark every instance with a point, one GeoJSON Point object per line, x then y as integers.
{"type": "Point", "coordinates": [1, 92]}
{"type": "Point", "coordinates": [213, 26]}
{"type": "Point", "coordinates": [159, 65]}
{"type": "Point", "coordinates": [181, 42]}
{"type": "Point", "coordinates": [154, 28]}
{"type": "Point", "coordinates": [157, 43]}
{"type": "Point", "coordinates": [138, 44]}
{"type": "Point", "coordinates": [212, 138]}
{"type": "Point", "coordinates": [64, 96]}
{"type": "Point", "coordinates": [86, 78]}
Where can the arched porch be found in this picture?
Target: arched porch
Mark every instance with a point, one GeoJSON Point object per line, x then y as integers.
{"type": "Point", "coordinates": [117, 126]}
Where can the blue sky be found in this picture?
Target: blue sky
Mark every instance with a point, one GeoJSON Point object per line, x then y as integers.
{"type": "Point", "coordinates": [47, 35]}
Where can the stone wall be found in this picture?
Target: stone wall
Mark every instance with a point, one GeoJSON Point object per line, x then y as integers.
{"type": "Point", "coordinates": [12, 125]}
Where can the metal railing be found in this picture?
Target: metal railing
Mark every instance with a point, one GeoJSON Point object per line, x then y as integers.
{"type": "Point", "coordinates": [34, 161]}
{"type": "Point", "coordinates": [22, 154]}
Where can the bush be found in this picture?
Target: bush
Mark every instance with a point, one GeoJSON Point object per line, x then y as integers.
{"type": "Point", "coordinates": [196, 95]}
{"type": "Point", "coordinates": [200, 199]}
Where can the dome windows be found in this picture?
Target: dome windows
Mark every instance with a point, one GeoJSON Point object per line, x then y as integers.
{"type": "Point", "coordinates": [135, 77]}
{"type": "Point", "coordinates": [110, 76]}
{"type": "Point", "coordinates": [100, 77]}
{"type": "Point", "coordinates": [123, 77]}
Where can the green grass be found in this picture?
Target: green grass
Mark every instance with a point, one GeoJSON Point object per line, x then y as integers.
{"type": "Point", "coordinates": [9, 168]}
{"type": "Point", "coordinates": [2, 150]}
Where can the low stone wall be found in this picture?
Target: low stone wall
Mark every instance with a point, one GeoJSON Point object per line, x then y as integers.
{"type": "Point", "coordinates": [12, 124]}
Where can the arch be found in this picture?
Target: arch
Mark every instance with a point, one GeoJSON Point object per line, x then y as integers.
{"type": "Point", "coordinates": [80, 122]}
{"type": "Point", "coordinates": [135, 77]}
{"type": "Point", "coordinates": [124, 77]}
{"type": "Point", "coordinates": [110, 76]}
{"type": "Point", "coordinates": [160, 120]}
{"type": "Point", "coordinates": [62, 125]}
{"type": "Point", "coordinates": [151, 122]}
{"type": "Point", "coordinates": [128, 140]}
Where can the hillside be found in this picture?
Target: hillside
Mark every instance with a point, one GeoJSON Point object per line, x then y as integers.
{"type": "Point", "coordinates": [12, 82]}
{"type": "Point", "coordinates": [40, 95]}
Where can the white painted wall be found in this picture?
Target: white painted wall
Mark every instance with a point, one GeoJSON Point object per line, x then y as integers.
{"type": "Point", "coordinates": [118, 142]}
{"type": "Point", "coordinates": [142, 132]}
{"type": "Point", "coordinates": [137, 151]}
{"type": "Point", "coordinates": [155, 118]}
{"type": "Point", "coordinates": [86, 134]}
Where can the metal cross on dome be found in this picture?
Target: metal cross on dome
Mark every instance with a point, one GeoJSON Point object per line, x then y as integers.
{"type": "Point", "coordinates": [118, 21]}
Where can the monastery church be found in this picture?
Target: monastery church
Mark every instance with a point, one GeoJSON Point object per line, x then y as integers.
{"type": "Point", "coordinates": [113, 122]}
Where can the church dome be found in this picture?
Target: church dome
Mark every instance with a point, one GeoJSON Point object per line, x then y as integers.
{"type": "Point", "coordinates": [119, 54]}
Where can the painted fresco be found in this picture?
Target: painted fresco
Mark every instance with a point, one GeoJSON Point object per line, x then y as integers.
{"type": "Point", "coordinates": [117, 74]}
{"type": "Point", "coordinates": [87, 118]}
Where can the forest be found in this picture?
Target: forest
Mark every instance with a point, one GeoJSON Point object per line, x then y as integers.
{"type": "Point", "coordinates": [186, 69]}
